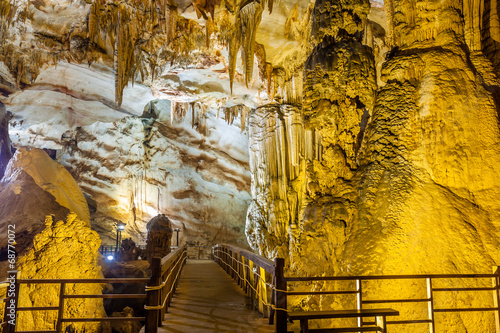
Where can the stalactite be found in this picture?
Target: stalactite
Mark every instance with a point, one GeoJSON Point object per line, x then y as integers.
{"type": "Point", "coordinates": [389, 12]}
{"type": "Point", "coordinates": [250, 17]}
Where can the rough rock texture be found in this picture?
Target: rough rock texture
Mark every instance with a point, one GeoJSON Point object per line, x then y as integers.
{"type": "Point", "coordinates": [412, 193]}
{"type": "Point", "coordinates": [64, 249]}
{"type": "Point", "coordinates": [51, 177]}
{"type": "Point", "coordinates": [33, 187]}
{"type": "Point", "coordinates": [128, 251]}
{"type": "Point", "coordinates": [187, 158]}
{"type": "Point", "coordinates": [5, 150]}
{"type": "Point", "coordinates": [130, 269]}
{"type": "Point", "coordinates": [142, 167]}
{"type": "Point", "coordinates": [125, 326]}
{"type": "Point", "coordinates": [159, 237]}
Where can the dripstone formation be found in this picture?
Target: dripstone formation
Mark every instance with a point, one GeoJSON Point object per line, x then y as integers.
{"type": "Point", "coordinates": [358, 137]}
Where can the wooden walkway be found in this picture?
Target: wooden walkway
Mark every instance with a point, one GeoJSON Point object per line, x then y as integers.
{"type": "Point", "coordinates": [208, 300]}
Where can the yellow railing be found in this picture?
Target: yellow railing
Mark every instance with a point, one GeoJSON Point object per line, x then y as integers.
{"type": "Point", "coordinates": [264, 281]}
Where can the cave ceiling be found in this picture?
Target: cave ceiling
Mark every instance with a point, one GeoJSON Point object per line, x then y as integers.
{"type": "Point", "coordinates": [258, 45]}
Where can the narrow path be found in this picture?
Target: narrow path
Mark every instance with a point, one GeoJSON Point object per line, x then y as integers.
{"type": "Point", "coordinates": [207, 300]}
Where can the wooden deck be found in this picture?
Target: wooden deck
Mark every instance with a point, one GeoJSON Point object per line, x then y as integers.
{"type": "Point", "coordinates": [208, 300]}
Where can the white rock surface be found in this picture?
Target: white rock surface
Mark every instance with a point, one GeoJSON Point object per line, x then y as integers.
{"type": "Point", "coordinates": [194, 170]}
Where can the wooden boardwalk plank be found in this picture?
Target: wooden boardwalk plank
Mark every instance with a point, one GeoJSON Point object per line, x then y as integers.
{"type": "Point", "coordinates": [208, 300]}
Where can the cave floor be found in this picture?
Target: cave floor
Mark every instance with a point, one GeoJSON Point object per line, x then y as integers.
{"type": "Point", "coordinates": [208, 300]}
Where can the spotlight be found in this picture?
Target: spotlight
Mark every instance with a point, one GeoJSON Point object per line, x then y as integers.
{"type": "Point", "coordinates": [121, 226]}
{"type": "Point", "coordinates": [110, 258]}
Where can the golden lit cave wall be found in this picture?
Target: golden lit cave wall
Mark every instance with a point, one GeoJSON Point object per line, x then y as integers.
{"type": "Point", "coordinates": [419, 193]}
{"type": "Point", "coordinates": [63, 250]}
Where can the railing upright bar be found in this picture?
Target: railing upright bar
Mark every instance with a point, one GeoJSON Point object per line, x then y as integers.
{"type": "Point", "coordinates": [242, 271]}
{"type": "Point", "coordinates": [60, 314]}
{"type": "Point", "coordinates": [260, 292]}
{"type": "Point", "coordinates": [164, 290]}
{"type": "Point", "coordinates": [244, 274]}
{"type": "Point", "coordinates": [265, 298]}
{"type": "Point", "coordinates": [280, 295]}
{"type": "Point", "coordinates": [273, 299]}
{"type": "Point", "coordinates": [233, 265]}
{"type": "Point", "coordinates": [152, 316]}
{"type": "Point", "coordinates": [430, 296]}
{"type": "Point", "coordinates": [496, 297]}
{"type": "Point", "coordinates": [359, 296]}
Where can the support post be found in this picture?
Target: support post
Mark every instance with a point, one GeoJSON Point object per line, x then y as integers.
{"type": "Point", "coordinates": [263, 293]}
{"type": "Point", "coordinates": [359, 289]}
{"type": "Point", "coordinates": [496, 297]}
{"type": "Point", "coordinates": [273, 301]}
{"type": "Point", "coordinates": [280, 295]}
{"type": "Point", "coordinates": [152, 316]}
{"type": "Point", "coordinates": [244, 273]}
{"type": "Point", "coordinates": [431, 305]}
{"type": "Point", "coordinates": [60, 314]}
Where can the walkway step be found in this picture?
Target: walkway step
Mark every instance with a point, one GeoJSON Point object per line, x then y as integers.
{"type": "Point", "coordinates": [207, 300]}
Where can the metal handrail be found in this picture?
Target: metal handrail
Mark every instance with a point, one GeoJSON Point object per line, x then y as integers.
{"type": "Point", "coordinates": [165, 274]}
{"type": "Point", "coordinates": [160, 268]}
{"type": "Point", "coordinates": [8, 328]}
{"type": "Point", "coordinates": [252, 272]}
{"type": "Point", "coordinates": [230, 258]}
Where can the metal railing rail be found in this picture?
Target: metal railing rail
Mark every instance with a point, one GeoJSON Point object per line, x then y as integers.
{"type": "Point", "coordinates": [238, 264]}
{"type": "Point", "coordinates": [252, 272]}
{"type": "Point", "coordinates": [9, 328]}
{"type": "Point", "coordinates": [165, 274]}
{"type": "Point", "coordinates": [159, 292]}
{"type": "Point", "coordinates": [433, 305]}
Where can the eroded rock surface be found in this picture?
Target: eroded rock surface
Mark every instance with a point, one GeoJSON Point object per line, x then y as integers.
{"type": "Point", "coordinates": [159, 237]}
{"type": "Point", "coordinates": [397, 182]}
{"type": "Point", "coordinates": [63, 249]}
{"type": "Point", "coordinates": [33, 187]}
{"type": "Point", "coordinates": [5, 149]}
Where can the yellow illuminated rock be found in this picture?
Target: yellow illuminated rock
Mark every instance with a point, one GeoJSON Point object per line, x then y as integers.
{"type": "Point", "coordinates": [373, 129]}
{"type": "Point", "coordinates": [63, 250]}
{"type": "Point", "coordinates": [51, 177]}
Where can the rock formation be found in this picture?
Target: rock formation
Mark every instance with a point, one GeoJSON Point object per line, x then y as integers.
{"type": "Point", "coordinates": [33, 187]}
{"type": "Point", "coordinates": [373, 129]}
{"type": "Point", "coordinates": [64, 249]}
{"type": "Point", "coordinates": [159, 237]}
{"type": "Point", "coordinates": [125, 326]}
{"type": "Point", "coordinates": [5, 150]}
{"type": "Point", "coordinates": [128, 251]}
{"type": "Point", "coordinates": [179, 158]}
{"type": "Point", "coordinates": [35, 192]}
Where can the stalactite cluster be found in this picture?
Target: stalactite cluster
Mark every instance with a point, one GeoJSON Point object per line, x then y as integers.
{"type": "Point", "coordinates": [279, 148]}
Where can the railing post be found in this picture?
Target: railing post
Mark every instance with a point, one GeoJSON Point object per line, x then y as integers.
{"type": "Point", "coordinates": [359, 289]}
{"type": "Point", "coordinates": [244, 273]}
{"type": "Point", "coordinates": [233, 273]}
{"type": "Point", "coordinates": [165, 290]}
{"type": "Point", "coordinates": [10, 310]}
{"type": "Point", "coordinates": [273, 301]}
{"type": "Point", "coordinates": [280, 287]}
{"type": "Point", "coordinates": [431, 305]}
{"type": "Point", "coordinates": [253, 293]}
{"type": "Point", "coordinates": [263, 293]}
{"type": "Point", "coordinates": [152, 316]}
{"type": "Point", "coordinates": [496, 297]}
{"type": "Point", "coordinates": [60, 314]}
